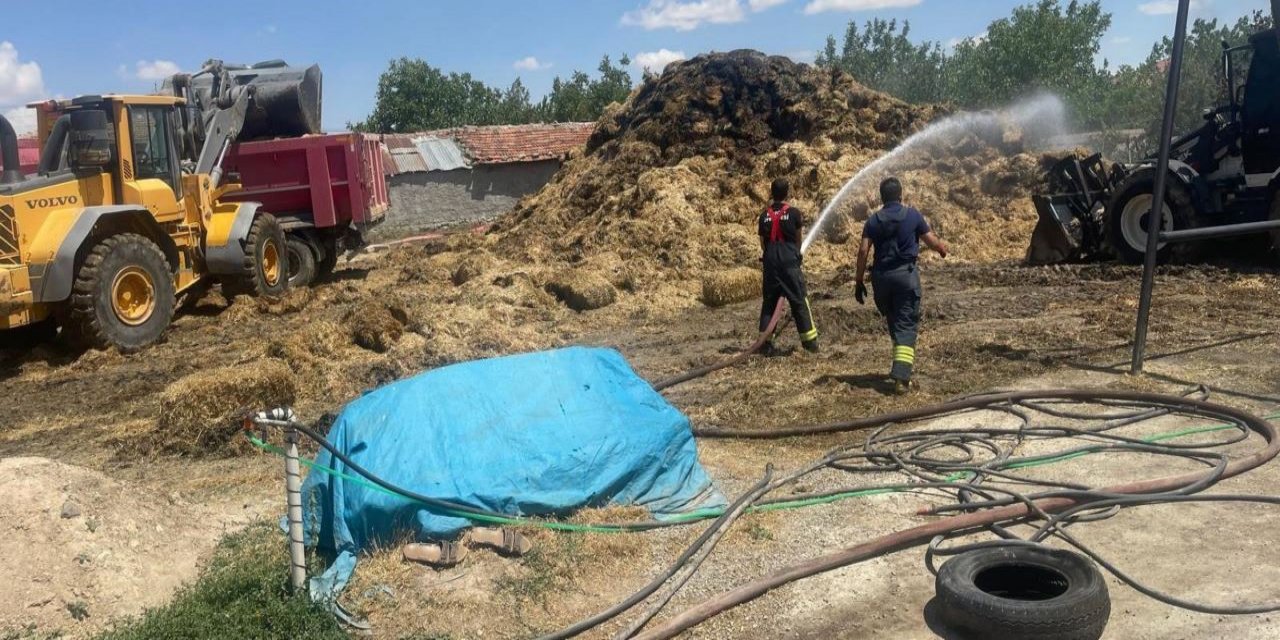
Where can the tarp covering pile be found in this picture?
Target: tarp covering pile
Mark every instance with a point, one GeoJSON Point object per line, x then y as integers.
{"type": "Point", "coordinates": [539, 434]}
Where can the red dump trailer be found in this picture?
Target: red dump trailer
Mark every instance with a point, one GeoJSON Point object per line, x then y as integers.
{"type": "Point", "coordinates": [324, 189]}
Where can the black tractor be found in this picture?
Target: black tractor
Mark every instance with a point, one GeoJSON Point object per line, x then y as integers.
{"type": "Point", "coordinates": [1224, 172]}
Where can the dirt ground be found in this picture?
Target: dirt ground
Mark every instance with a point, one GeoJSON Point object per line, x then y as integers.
{"type": "Point", "coordinates": [81, 428]}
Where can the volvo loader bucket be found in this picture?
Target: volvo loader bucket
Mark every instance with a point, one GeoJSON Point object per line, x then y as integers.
{"type": "Point", "coordinates": [286, 101]}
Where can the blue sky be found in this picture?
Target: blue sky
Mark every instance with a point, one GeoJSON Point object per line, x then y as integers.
{"type": "Point", "coordinates": [103, 47]}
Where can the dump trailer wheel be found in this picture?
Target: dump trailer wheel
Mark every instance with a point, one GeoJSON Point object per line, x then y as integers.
{"type": "Point", "coordinates": [1021, 593]}
{"type": "Point", "coordinates": [123, 295]}
{"type": "Point", "coordinates": [328, 258]}
{"type": "Point", "coordinates": [302, 261]}
{"type": "Point", "coordinates": [266, 261]}
{"type": "Point", "coordinates": [1128, 215]}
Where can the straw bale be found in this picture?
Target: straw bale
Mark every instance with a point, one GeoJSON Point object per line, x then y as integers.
{"type": "Point", "coordinates": [202, 414]}
{"type": "Point", "coordinates": [582, 290]}
{"type": "Point", "coordinates": [727, 287]}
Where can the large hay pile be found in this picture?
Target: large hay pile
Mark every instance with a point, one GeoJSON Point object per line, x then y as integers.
{"type": "Point", "coordinates": [670, 182]}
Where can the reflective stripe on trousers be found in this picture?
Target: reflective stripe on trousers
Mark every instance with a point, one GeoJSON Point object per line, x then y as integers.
{"type": "Point", "coordinates": [897, 297]}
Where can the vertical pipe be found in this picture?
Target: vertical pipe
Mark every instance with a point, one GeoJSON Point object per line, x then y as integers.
{"type": "Point", "coordinates": [1155, 219]}
{"type": "Point", "coordinates": [293, 491]}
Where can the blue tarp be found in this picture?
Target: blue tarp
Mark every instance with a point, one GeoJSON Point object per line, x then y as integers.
{"type": "Point", "coordinates": [539, 434]}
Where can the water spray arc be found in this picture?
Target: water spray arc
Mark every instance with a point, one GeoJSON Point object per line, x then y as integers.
{"type": "Point", "coordinates": [1039, 118]}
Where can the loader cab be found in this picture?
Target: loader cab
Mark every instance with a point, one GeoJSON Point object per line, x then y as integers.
{"type": "Point", "coordinates": [132, 138]}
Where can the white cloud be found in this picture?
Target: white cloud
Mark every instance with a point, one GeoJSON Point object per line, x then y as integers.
{"type": "Point", "coordinates": [22, 119]}
{"type": "Point", "coordinates": [19, 81]}
{"type": "Point", "coordinates": [531, 64]}
{"type": "Point", "coordinates": [1166, 7]}
{"type": "Point", "coordinates": [804, 56]}
{"type": "Point", "coordinates": [656, 61]}
{"type": "Point", "coordinates": [1121, 40]}
{"type": "Point", "coordinates": [152, 70]}
{"type": "Point", "coordinates": [761, 5]}
{"type": "Point", "coordinates": [820, 6]}
{"type": "Point", "coordinates": [684, 16]}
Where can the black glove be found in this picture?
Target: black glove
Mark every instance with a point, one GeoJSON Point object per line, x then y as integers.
{"type": "Point", "coordinates": [860, 293]}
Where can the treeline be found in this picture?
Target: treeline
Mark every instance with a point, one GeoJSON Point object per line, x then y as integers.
{"type": "Point", "coordinates": [1045, 46]}
{"type": "Point", "coordinates": [1041, 46]}
{"type": "Point", "coordinates": [415, 96]}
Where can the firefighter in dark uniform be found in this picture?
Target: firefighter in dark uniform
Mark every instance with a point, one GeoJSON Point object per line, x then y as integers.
{"type": "Point", "coordinates": [896, 231]}
{"type": "Point", "coordinates": [781, 229]}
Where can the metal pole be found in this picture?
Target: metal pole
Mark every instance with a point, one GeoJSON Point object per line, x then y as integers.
{"type": "Point", "coordinates": [1155, 219]}
{"type": "Point", "coordinates": [293, 491]}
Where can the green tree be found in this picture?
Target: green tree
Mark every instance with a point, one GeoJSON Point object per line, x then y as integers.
{"type": "Point", "coordinates": [515, 107]}
{"type": "Point", "coordinates": [1040, 47]}
{"type": "Point", "coordinates": [1203, 85]}
{"type": "Point", "coordinates": [581, 98]}
{"type": "Point", "coordinates": [415, 96]}
{"type": "Point", "coordinates": [883, 57]}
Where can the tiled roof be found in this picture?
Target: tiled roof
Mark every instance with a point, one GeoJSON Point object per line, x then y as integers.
{"type": "Point", "coordinates": [523, 143]}
{"type": "Point", "coordinates": [485, 145]}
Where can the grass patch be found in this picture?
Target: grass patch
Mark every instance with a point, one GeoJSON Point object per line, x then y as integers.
{"type": "Point", "coordinates": [243, 593]}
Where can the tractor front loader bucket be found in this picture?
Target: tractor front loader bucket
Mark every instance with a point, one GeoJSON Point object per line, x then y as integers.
{"type": "Point", "coordinates": [1052, 241]}
{"type": "Point", "coordinates": [1071, 214]}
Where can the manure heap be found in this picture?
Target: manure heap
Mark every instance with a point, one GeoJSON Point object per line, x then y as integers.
{"type": "Point", "coordinates": [668, 186]}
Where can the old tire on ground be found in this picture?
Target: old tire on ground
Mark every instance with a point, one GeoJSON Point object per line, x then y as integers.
{"type": "Point", "coordinates": [1128, 215]}
{"type": "Point", "coordinates": [302, 261]}
{"type": "Point", "coordinates": [123, 295]}
{"type": "Point", "coordinates": [265, 272]}
{"type": "Point", "coordinates": [1020, 593]}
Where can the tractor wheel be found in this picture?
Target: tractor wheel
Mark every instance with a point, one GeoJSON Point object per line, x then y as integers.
{"type": "Point", "coordinates": [1275, 233]}
{"type": "Point", "coordinates": [302, 261]}
{"type": "Point", "coordinates": [123, 295]}
{"type": "Point", "coordinates": [266, 261]}
{"type": "Point", "coordinates": [1128, 216]}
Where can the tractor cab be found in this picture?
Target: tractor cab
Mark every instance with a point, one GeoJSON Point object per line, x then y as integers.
{"type": "Point", "coordinates": [1259, 106]}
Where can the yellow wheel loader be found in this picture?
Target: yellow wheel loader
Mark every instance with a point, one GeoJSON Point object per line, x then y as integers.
{"type": "Point", "coordinates": [126, 212]}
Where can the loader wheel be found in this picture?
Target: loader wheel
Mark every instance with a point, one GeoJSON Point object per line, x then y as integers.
{"type": "Point", "coordinates": [266, 261]}
{"type": "Point", "coordinates": [1128, 216]}
{"type": "Point", "coordinates": [123, 295]}
{"type": "Point", "coordinates": [302, 262]}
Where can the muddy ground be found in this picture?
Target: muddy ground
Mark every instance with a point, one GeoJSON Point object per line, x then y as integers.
{"type": "Point", "coordinates": [985, 327]}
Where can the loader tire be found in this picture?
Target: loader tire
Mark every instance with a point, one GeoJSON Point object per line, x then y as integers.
{"type": "Point", "coordinates": [123, 295]}
{"type": "Point", "coordinates": [265, 272]}
{"type": "Point", "coordinates": [302, 261]}
{"type": "Point", "coordinates": [1128, 215]}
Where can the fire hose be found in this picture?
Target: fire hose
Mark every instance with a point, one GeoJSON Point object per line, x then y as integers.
{"type": "Point", "coordinates": [1059, 506]}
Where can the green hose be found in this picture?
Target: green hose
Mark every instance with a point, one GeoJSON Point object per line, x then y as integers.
{"type": "Point", "coordinates": [707, 514]}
